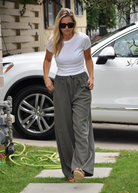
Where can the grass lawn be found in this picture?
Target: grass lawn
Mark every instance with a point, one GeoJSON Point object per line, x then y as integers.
{"type": "Point", "coordinates": [14, 178]}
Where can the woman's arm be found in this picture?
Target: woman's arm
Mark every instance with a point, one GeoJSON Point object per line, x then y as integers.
{"type": "Point", "coordinates": [90, 67]}
{"type": "Point", "coordinates": [46, 68]}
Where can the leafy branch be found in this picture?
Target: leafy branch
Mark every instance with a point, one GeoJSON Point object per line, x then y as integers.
{"type": "Point", "coordinates": [131, 44]}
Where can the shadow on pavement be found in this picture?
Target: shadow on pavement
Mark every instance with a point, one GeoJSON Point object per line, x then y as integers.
{"type": "Point", "coordinates": [116, 133]}
{"type": "Point", "coordinates": [110, 136]}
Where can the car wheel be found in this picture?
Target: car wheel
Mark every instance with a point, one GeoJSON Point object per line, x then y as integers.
{"type": "Point", "coordinates": [34, 112]}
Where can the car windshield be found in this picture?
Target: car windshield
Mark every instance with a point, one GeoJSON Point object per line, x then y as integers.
{"type": "Point", "coordinates": [110, 34]}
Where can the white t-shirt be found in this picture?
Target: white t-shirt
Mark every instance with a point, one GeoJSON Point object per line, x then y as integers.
{"type": "Point", "coordinates": [70, 60]}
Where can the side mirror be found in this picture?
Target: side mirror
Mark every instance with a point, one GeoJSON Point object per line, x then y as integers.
{"type": "Point", "coordinates": [105, 54]}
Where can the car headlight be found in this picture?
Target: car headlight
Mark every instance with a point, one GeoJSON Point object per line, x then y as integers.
{"type": "Point", "coordinates": [7, 67]}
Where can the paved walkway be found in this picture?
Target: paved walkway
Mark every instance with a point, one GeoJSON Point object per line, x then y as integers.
{"type": "Point", "coordinates": [73, 187]}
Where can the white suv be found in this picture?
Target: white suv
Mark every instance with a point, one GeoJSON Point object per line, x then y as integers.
{"type": "Point", "coordinates": [115, 94]}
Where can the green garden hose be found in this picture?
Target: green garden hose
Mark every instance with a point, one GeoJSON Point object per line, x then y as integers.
{"type": "Point", "coordinates": [2, 151]}
{"type": "Point", "coordinates": [45, 157]}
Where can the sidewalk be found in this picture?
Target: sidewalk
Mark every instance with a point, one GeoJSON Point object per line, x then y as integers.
{"type": "Point", "coordinates": [73, 187]}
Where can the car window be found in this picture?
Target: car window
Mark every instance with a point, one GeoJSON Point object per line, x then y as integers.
{"type": "Point", "coordinates": [127, 46]}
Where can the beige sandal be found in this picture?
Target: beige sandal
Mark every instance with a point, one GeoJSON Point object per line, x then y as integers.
{"type": "Point", "coordinates": [78, 175]}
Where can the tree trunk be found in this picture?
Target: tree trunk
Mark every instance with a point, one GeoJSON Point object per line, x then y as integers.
{"type": "Point", "coordinates": [128, 16]}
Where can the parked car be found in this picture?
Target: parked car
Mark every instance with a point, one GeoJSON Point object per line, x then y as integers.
{"type": "Point", "coordinates": [114, 97]}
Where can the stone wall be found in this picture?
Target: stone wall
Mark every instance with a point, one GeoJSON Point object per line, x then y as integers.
{"type": "Point", "coordinates": [21, 34]}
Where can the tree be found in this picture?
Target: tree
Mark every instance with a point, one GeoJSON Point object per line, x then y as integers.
{"type": "Point", "coordinates": [127, 7]}
{"type": "Point", "coordinates": [92, 18]}
{"type": "Point", "coordinates": [124, 7]}
{"type": "Point", "coordinates": [103, 16]}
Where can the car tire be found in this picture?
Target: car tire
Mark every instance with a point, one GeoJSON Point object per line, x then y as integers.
{"type": "Point", "coordinates": [34, 112]}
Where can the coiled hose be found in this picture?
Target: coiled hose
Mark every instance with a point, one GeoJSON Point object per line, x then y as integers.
{"type": "Point", "coordinates": [45, 157]}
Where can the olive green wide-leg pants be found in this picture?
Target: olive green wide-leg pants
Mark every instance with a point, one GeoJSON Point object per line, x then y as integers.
{"type": "Point", "coordinates": [73, 124]}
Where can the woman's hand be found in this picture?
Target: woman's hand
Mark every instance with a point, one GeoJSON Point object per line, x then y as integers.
{"type": "Point", "coordinates": [89, 65]}
{"type": "Point", "coordinates": [46, 67]}
{"type": "Point", "coordinates": [49, 83]}
{"type": "Point", "coordinates": [91, 83]}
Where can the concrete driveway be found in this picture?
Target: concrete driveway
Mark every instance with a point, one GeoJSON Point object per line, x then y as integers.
{"type": "Point", "coordinates": [107, 136]}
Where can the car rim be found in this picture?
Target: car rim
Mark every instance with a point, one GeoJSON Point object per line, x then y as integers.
{"type": "Point", "coordinates": [36, 113]}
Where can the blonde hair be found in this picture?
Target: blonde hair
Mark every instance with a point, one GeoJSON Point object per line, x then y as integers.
{"type": "Point", "coordinates": [57, 36]}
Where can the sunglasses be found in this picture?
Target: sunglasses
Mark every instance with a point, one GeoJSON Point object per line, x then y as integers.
{"type": "Point", "coordinates": [63, 25]}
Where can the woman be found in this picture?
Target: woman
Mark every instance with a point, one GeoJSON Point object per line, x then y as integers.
{"type": "Point", "coordinates": [71, 95]}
